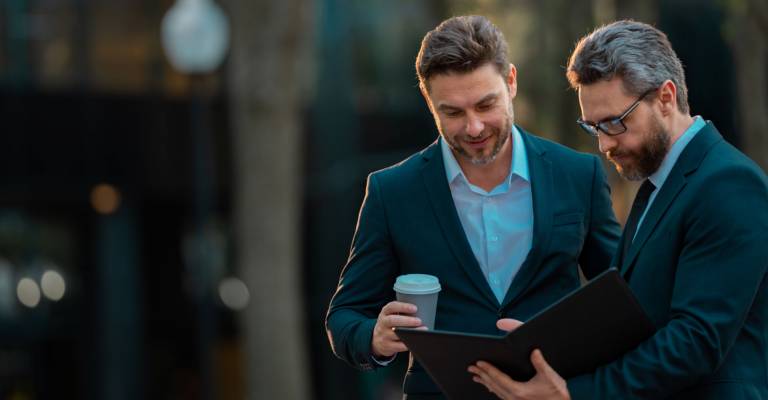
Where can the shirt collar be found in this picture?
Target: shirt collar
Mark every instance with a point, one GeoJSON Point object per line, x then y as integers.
{"type": "Point", "coordinates": [660, 176]}
{"type": "Point", "coordinates": [519, 156]}
{"type": "Point", "coordinates": [519, 165]}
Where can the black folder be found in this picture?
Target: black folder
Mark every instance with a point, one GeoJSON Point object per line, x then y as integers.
{"type": "Point", "coordinates": [585, 329]}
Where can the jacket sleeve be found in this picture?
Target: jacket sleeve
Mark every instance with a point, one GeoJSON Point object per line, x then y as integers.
{"type": "Point", "coordinates": [602, 231]}
{"type": "Point", "coordinates": [365, 284]}
{"type": "Point", "coordinates": [721, 265]}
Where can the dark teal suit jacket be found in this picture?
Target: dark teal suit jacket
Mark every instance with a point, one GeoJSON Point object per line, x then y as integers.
{"type": "Point", "coordinates": [408, 224]}
{"type": "Point", "coordinates": [698, 266]}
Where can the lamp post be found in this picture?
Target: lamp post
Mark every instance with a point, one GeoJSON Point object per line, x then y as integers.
{"type": "Point", "coordinates": [195, 36]}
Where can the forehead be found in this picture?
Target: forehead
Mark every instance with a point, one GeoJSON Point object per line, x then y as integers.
{"type": "Point", "coordinates": [603, 99]}
{"type": "Point", "coordinates": [460, 89]}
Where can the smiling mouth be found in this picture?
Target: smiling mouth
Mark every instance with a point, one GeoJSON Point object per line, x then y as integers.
{"type": "Point", "coordinates": [477, 143]}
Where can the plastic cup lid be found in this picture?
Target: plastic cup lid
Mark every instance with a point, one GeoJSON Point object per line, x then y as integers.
{"type": "Point", "coordinates": [417, 284]}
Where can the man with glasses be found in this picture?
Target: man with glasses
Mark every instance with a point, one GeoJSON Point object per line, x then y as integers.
{"type": "Point", "coordinates": [694, 247]}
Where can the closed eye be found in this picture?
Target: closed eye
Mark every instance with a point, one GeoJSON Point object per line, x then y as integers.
{"type": "Point", "coordinates": [486, 106]}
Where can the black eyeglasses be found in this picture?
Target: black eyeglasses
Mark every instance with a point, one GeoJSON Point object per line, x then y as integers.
{"type": "Point", "coordinates": [612, 126]}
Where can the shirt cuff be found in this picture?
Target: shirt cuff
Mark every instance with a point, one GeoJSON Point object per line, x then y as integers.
{"type": "Point", "coordinates": [384, 362]}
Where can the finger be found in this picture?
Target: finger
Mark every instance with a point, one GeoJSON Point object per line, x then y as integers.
{"type": "Point", "coordinates": [397, 347]}
{"type": "Point", "coordinates": [391, 321]}
{"type": "Point", "coordinates": [483, 373]}
{"type": "Point", "coordinates": [540, 364]}
{"type": "Point", "coordinates": [504, 385]}
{"type": "Point", "coordinates": [498, 376]}
{"type": "Point", "coordinates": [389, 338]}
{"type": "Point", "coordinates": [479, 376]}
{"type": "Point", "coordinates": [398, 307]}
{"type": "Point", "coordinates": [508, 324]}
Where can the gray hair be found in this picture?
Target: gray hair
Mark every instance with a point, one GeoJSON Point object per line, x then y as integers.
{"type": "Point", "coordinates": [638, 53]}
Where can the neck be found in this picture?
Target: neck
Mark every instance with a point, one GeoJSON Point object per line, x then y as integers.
{"type": "Point", "coordinates": [680, 123]}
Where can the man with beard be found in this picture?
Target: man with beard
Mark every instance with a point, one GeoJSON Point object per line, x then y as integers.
{"type": "Point", "coordinates": [693, 250]}
{"type": "Point", "coordinates": [501, 217]}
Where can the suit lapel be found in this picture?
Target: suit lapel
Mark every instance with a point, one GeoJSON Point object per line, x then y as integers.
{"type": "Point", "coordinates": [688, 162]}
{"type": "Point", "coordinates": [542, 190]}
{"type": "Point", "coordinates": [439, 194]}
{"type": "Point", "coordinates": [673, 185]}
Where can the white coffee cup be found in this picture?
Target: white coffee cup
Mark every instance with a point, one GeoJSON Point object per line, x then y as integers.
{"type": "Point", "coordinates": [421, 290]}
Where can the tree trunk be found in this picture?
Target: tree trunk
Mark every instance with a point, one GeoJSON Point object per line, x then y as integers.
{"type": "Point", "coordinates": [748, 25]}
{"type": "Point", "coordinates": [268, 57]}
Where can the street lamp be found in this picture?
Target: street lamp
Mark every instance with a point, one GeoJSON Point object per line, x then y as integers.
{"type": "Point", "coordinates": [195, 35]}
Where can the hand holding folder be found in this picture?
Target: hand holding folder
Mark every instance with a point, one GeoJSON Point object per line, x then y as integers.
{"type": "Point", "coordinates": [590, 327]}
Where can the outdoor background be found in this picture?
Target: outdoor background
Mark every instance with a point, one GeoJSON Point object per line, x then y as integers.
{"type": "Point", "coordinates": [178, 236]}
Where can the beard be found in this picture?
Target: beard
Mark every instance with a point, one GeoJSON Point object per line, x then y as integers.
{"type": "Point", "coordinates": [642, 163]}
{"type": "Point", "coordinates": [500, 135]}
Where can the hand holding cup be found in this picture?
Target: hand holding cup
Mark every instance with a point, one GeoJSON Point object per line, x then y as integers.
{"type": "Point", "coordinates": [415, 307]}
{"type": "Point", "coordinates": [385, 342]}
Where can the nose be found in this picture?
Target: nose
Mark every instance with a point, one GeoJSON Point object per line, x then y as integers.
{"type": "Point", "coordinates": [605, 143]}
{"type": "Point", "coordinates": [474, 126]}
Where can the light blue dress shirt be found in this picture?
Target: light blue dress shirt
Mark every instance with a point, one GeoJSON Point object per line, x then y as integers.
{"type": "Point", "coordinates": [660, 176]}
{"type": "Point", "coordinates": [498, 224]}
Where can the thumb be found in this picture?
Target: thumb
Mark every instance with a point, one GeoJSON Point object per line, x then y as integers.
{"type": "Point", "coordinates": [508, 324]}
{"type": "Point", "coordinates": [539, 363]}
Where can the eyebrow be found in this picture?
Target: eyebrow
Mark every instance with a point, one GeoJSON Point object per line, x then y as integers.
{"type": "Point", "coordinates": [609, 118]}
{"type": "Point", "coordinates": [486, 98]}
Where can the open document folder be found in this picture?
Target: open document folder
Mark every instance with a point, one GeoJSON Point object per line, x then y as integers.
{"type": "Point", "coordinates": [585, 329]}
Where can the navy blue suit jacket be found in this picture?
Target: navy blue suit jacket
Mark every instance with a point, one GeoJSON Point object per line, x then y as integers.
{"type": "Point", "coordinates": [697, 266]}
{"type": "Point", "coordinates": [408, 224]}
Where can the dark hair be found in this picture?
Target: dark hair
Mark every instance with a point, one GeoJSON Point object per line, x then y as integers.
{"type": "Point", "coordinates": [461, 44]}
{"type": "Point", "coordinates": [638, 53]}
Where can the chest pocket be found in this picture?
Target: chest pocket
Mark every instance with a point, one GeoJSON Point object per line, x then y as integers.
{"type": "Point", "coordinates": [567, 219]}
{"type": "Point", "coordinates": [567, 233]}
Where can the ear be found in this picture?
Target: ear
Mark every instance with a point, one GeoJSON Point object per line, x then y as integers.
{"type": "Point", "coordinates": [512, 81]}
{"type": "Point", "coordinates": [668, 97]}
